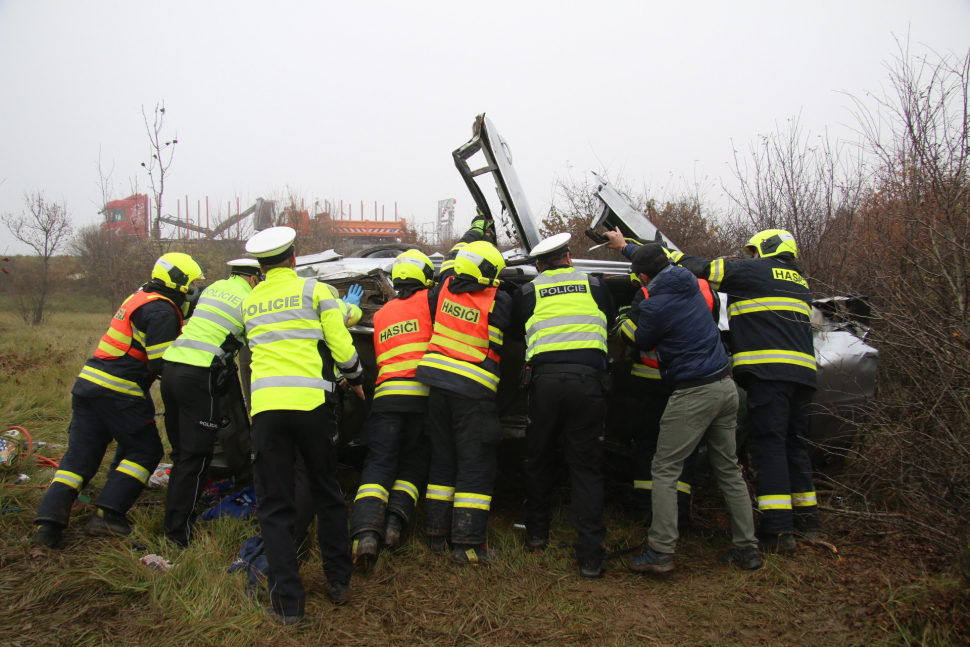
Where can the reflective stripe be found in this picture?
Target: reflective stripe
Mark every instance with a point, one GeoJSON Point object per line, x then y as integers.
{"type": "Point", "coordinates": [769, 304]}
{"type": "Point", "coordinates": [156, 351]}
{"type": "Point", "coordinates": [133, 470]}
{"type": "Point", "coordinates": [804, 499]}
{"type": "Point", "coordinates": [717, 273]}
{"type": "Point", "coordinates": [440, 493]}
{"type": "Point", "coordinates": [447, 342]}
{"type": "Point", "coordinates": [296, 314]}
{"type": "Point", "coordinates": [351, 368]}
{"type": "Point", "coordinates": [280, 335]}
{"type": "Point", "coordinates": [441, 329]}
{"type": "Point", "coordinates": [628, 328]}
{"type": "Point", "coordinates": [774, 356]}
{"type": "Point", "coordinates": [774, 502]}
{"type": "Point", "coordinates": [69, 479]}
{"type": "Point", "coordinates": [105, 347]}
{"type": "Point", "coordinates": [111, 382]}
{"type": "Point", "coordinates": [471, 500]}
{"type": "Point", "coordinates": [182, 342]}
{"type": "Point", "coordinates": [327, 304]}
{"type": "Point", "coordinates": [675, 256]}
{"type": "Point", "coordinates": [218, 320]}
{"type": "Point", "coordinates": [643, 485]}
{"type": "Point", "coordinates": [234, 313]}
{"type": "Point", "coordinates": [642, 370]}
{"type": "Point", "coordinates": [119, 336]}
{"type": "Point", "coordinates": [290, 381]}
{"type": "Point", "coordinates": [564, 337]}
{"type": "Point", "coordinates": [400, 350]}
{"type": "Point", "coordinates": [139, 336]}
{"type": "Point", "coordinates": [683, 487]}
{"type": "Point", "coordinates": [410, 488]}
{"type": "Point", "coordinates": [371, 490]}
{"type": "Point", "coordinates": [398, 366]}
{"type": "Point", "coordinates": [394, 387]}
{"type": "Point", "coordinates": [464, 369]}
{"type": "Point", "coordinates": [583, 320]}
{"type": "Point", "coordinates": [495, 335]}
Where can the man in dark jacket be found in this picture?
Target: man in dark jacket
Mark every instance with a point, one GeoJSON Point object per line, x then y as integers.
{"type": "Point", "coordinates": [676, 320]}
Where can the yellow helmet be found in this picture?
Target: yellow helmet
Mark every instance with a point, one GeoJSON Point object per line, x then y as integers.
{"type": "Point", "coordinates": [177, 271]}
{"type": "Point", "coordinates": [480, 260]}
{"type": "Point", "coordinates": [772, 242]}
{"type": "Point", "coordinates": [412, 264]}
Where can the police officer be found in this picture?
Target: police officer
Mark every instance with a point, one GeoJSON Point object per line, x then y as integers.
{"type": "Point", "coordinates": [770, 312]}
{"type": "Point", "coordinates": [111, 400]}
{"type": "Point", "coordinates": [398, 449]}
{"type": "Point", "coordinates": [462, 368]}
{"type": "Point", "coordinates": [564, 313]}
{"type": "Point", "coordinates": [651, 394]}
{"type": "Point", "coordinates": [199, 371]}
{"type": "Point", "coordinates": [295, 328]}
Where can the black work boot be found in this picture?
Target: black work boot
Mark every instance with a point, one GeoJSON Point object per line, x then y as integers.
{"type": "Point", "coordinates": [650, 562]}
{"type": "Point", "coordinates": [392, 531]}
{"type": "Point", "coordinates": [536, 541]}
{"type": "Point", "coordinates": [438, 544]}
{"type": "Point", "coordinates": [365, 550]}
{"type": "Point", "coordinates": [108, 523]}
{"type": "Point", "coordinates": [591, 568]}
{"type": "Point", "coordinates": [48, 534]}
{"type": "Point", "coordinates": [340, 592]}
{"type": "Point", "coordinates": [781, 544]}
{"type": "Point", "coordinates": [471, 555]}
{"type": "Point", "coordinates": [280, 619]}
{"type": "Point", "coordinates": [747, 559]}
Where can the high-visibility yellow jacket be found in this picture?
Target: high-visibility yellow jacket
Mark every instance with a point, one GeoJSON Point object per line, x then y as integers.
{"type": "Point", "coordinates": [297, 334]}
{"type": "Point", "coordinates": [215, 327]}
{"type": "Point", "coordinates": [566, 316]}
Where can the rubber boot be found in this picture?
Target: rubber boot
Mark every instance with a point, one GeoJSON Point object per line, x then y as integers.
{"type": "Point", "coordinates": [438, 544]}
{"type": "Point", "coordinates": [365, 550]}
{"type": "Point", "coordinates": [108, 523]}
{"type": "Point", "coordinates": [392, 531]}
{"type": "Point", "coordinates": [340, 592]}
{"type": "Point", "coordinates": [781, 544]}
{"type": "Point", "coordinates": [48, 534]}
{"type": "Point", "coordinates": [471, 555]}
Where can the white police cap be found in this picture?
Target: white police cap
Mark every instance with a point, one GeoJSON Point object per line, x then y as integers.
{"type": "Point", "coordinates": [550, 245]}
{"type": "Point", "coordinates": [243, 262]}
{"type": "Point", "coordinates": [271, 242]}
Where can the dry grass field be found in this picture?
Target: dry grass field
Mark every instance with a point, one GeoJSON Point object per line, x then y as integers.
{"type": "Point", "coordinates": [885, 587]}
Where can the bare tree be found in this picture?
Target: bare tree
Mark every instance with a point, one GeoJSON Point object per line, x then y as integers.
{"type": "Point", "coordinates": [162, 153]}
{"type": "Point", "coordinates": [45, 227]}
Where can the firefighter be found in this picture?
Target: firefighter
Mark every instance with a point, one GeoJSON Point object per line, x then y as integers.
{"type": "Point", "coordinates": [564, 314]}
{"type": "Point", "coordinates": [295, 329]}
{"type": "Point", "coordinates": [461, 366]}
{"type": "Point", "coordinates": [651, 394]}
{"type": "Point", "coordinates": [111, 400]}
{"type": "Point", "coordinates": [769, 309]}
{"type": "Point", "coordinates": [200, 368]}
{"type": "Point", "coordinates": [398, 449]}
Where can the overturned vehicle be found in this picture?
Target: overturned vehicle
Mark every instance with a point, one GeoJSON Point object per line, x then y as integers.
{"type": "Point", "coordinates": [846, 364]}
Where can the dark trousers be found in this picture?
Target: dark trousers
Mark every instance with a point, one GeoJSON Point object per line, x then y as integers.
{"type": "Point", "coordinates": [192, 416]}
{"type": "Point", "coordinates": [395, 469]}
{"type": "Point", "coordinates": [574, 406]}
{"type": "Point", "coordinates": [652, 399]}
{"type": "Point", "coordinates": [778, 413]}
{"type": "Point", "coordinates": [276, 436]}
{"type": "Point", "coordinates": [464, 433]}
{"type": "Point", "coordinates": [94, 424]}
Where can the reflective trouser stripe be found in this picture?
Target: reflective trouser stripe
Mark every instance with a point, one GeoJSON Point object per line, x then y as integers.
{"type": "Point", "coordinates": [774, 356]}
{"type": "Point", "coordinates": [111, 382]}
{"type": "Point", "coordinates": [69, 479]}
{"type": "Point", "coordinates": [410, 488]}
{"type": "Point", "coordinates": [194, 344]}
{"type": "Point", "coordinates": [134, 470]}
{"type": "Point", "coordinates": [803, 499]}
{"type": "Point", "coordinates": [440, 493]}
{"type": "Point", "coordinates": [371, 489]}
{"type": "Point", "coordinates": [471, 500]}
{"type": "Point", "coordinates": [643, 485]}
{"type": "Point", "coordinates": [683, 487]}
{"type": "Point", "coordinates": [395, 387]}
{"type": "Point", "coordinates": [774, 502]}
{"type": "Point", "coordinates": [642, 370]}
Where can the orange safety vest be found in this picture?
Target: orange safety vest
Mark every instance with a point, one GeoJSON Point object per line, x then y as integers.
{"type": "Point", "coordinates": [461, 325]}
{"type": "Point", "coordinates": [649, 358]}
{"type": "Point", "coordinates": [117, 342]}
{"type": "Point", "coordinates": [402, 330]}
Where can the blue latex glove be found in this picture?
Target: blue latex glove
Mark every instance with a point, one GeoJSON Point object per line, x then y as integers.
{"type": "Point", "coordinates": [354, 295]}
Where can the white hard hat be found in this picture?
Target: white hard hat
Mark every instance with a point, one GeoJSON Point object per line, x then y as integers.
{"type": "Point", "coordinates": [271, 242]}
{"type": "Point", "coordinates": [551, 245]}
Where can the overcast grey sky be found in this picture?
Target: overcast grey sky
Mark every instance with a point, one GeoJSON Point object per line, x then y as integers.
{"type": "Point", "coordinates": [366, 100]}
